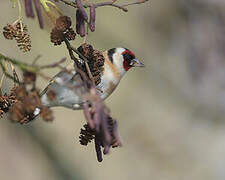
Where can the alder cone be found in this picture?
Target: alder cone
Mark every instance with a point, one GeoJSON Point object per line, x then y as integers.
{"type": "Point", "coordinates": [86, 50]}
{"type": "Point", "coordinates": [56, 36]}
{"type": "Point", "coordinates": [19, 33]}
{"type": "Point", "coordinates": [86, 135]}
{"type": "Point", "coordinates": [9, 32]}
{"type": "Point", "coordinates": [63, 23]}
{"type": "Point", "coordinates": [70, 34]}
{"type": "Point", "coordinates": [95, 60]}
{"type": "Point", "coordinates": [4, 104]}
{"type": "Point", "coordinates": [62, 31]}
{"type": "Point", "coordinates": [29, 77]}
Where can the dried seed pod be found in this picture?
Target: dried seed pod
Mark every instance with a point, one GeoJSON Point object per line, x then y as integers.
{"type": "Point", "coordinates": [23, 41]}
{"type": "Point", "coordinates": [62, 30]}
{"type": "Point", "coordinates": [29, 77]}
{"type": "Point", "coordinates": [82, 10]}
{"type": "Point", "coordinates": [70, 34]}
{"type": "Point", "coordinates": [86, 50]}
{"type": "Point", "coordinates": [22, 110]}
{"type": "Point", "coordinates": [22, 38]}
{"type": "Point", "coordinates": [98, 58]}
{"type": "Point", "coordinates": [20, 92]}
{"type": "Point", "coordinates": [5, 104]}
{"type": "Point", "coordinates": [9, 32]}
{"type": "Point", "coordinates": [29, 8]}
{"type": "Point", "coordinates": [63, 23]}
{"type": "Point", "coordinates": [92, 17]}
{"type": "Point", "coordinates": [57, 36]}
{"type": "Point", "coordinates": [95, 61]}
{"type": "Point", "coordinates": [86, 135]}
{"type": "Point", "coordinates": [20, 27]}
{"type": "Point", "coordinates": [19, 32]}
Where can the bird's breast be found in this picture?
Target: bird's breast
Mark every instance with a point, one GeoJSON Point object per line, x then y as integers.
{"type": "Point", "coordinates": [109, 81]}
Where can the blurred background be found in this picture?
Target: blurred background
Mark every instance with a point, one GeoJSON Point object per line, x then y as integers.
{"type": "Point", "coordinates": [170, 114]}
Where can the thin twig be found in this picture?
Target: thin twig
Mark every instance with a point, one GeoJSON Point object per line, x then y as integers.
{"type": "Point", "coordinates": [86, 64]}
{"type": "Point", "coordinates": [1, 81]}
{"type": "Point", "coordinates": [107, 3]}
{"type": "Point", "coordinates": [36, 59]}
{"type": "Point", "coordinates": [23, 66]}
{"type": "Point", "coordinates": [71, 49]}
{"type": "Point", "coordinates": [69, 3]}
{"type": "Point", "coordinates": [14, 72]}
{"type": "Point", "coordinates": [135, 3]}
{"type": "Point", "coordinates": [56, 64]}
{"type": "Point", "coordinates": [6, 73]}
{"type": "Point", "coordinates": [110, 3]}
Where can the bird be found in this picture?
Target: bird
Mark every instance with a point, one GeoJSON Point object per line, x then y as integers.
{"type": "Point", "coordinates": [117, 62]}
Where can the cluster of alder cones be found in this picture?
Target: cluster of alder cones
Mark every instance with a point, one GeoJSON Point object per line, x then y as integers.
{"type": "Point", "coordinates": [62, 30]}
{"type": "Point", "coordinates": [22, 102]}
{"type": "Point", "coordinates": [95, 60]}
{"type": "Point", "coordinates": [87, 134]}
{"type": "Point", "coordinates": [18, 31]}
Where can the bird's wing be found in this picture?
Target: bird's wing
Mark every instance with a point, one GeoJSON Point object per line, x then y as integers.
{"type": "Point", "coordinates": [63, 85]}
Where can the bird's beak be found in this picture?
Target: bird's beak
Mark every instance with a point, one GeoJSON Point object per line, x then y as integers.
{"type": "Point", "coordinates": [136, 63]}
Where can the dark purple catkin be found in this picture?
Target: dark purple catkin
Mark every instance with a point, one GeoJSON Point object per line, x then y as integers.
{"type": "Point", "coordinates": [98, 149]}
{"type": "Point", "coordinates": [78, 18]}
{"type": "Point", "coordinates": [38, 11]}
{"type": "Point", "coordinates": [82, 27]}
{"type": "Point", "coordinates": [80, 23]}
{"type": "Point", "coordinates": [92, 17]}
{"type": "Point", "coordinates": [82, 10]}
{"type": "Point", "coordinates": [29, 8]}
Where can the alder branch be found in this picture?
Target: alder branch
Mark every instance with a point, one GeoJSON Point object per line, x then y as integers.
{"type": "Point", "coordinates": [27, 67]}
{"type": "Point", "coordinates": [107, 3]}
{"type": "Point", "coordinates": [135, 3]}
{"type": "Point", "coordinates": [56, 64]}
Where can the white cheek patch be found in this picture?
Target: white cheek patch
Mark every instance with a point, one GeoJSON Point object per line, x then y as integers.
{"type": "Point", "coordinates": [118, 61]}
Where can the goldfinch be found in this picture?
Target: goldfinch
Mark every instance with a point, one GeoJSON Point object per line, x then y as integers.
{"type": "Point", "coordinates": [117, 62]}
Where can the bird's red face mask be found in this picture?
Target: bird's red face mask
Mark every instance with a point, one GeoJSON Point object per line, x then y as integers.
{"type": "Point", "coordinates": [130, 60]}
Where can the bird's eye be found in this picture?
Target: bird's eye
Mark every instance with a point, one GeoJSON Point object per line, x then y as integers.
{"type": "Point", "coordinates": [128, 56]}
